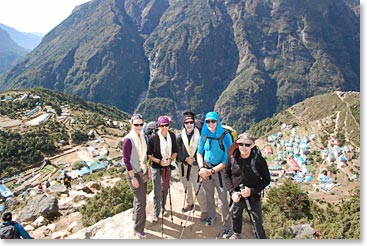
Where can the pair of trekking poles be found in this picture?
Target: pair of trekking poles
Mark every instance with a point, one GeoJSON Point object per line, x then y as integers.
{"type": "Point", "coordinates": [191, 213]}
{"type": "Point", "coordinates": [250, 213]}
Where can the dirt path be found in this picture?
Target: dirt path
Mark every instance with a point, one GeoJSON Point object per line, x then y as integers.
{"type": "Point", "coordinates": [194, 229]}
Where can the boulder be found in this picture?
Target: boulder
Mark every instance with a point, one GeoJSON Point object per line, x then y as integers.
{"type": "Point", "coordinates": [110, 228]}
{"type": "Point", "coordinates": [41, 205]}
{"type": "Point", "coordinates": [40, 221]}
{"type": "Point", "coordinates": [303, 231]}
{"type": "Point", "coordinates": [29, 228]}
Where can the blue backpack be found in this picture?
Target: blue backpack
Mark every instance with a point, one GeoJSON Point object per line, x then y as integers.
{"type": "Point", "coordinates": [9, 231]}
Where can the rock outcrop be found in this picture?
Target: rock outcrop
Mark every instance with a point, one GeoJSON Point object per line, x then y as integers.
{"type": "Point", "coordinates": [45, 205]}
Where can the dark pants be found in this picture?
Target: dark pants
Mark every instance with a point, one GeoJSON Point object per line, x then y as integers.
{"type": "Point", "coordinates": [139, 204]}
{"type": "Point", "coordinates": [161, 182]}
{"type": "Point", "coordinates": [256, 212]}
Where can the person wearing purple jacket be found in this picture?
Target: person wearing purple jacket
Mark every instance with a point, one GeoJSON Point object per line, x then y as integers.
{"type": "Point", "coordinates": [135, 158]}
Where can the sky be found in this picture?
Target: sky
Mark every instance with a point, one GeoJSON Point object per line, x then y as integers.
{"type": "Point", "coordinates": [36, 16]}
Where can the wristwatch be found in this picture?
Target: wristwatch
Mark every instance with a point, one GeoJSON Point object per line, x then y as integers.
{"type": "Point", "coordinates": [212, 171]}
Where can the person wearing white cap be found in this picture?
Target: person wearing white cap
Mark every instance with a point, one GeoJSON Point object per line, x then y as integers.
{"type": "Point", "coordinates": [246, 175]}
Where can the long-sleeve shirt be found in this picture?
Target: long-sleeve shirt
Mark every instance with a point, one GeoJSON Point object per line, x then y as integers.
{"type": "Point", "coordinates": [127, 147]}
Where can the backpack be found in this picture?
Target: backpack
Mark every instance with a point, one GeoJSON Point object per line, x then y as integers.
{"type": "Point", "coordinates": [8, 231]}
{"type": "Point", "coordinates": [149, 130]}
{"type": "Point", "coordinates": [66, 179]}
{"type": "Point", "coordinates": [199, 124]}
{"type": "Point", "coordinates": [232, 131]}
{"type": "Point", "coordinates": [227, 129]}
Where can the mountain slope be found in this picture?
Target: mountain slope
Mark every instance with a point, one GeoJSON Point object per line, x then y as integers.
{"type": "Point", "coordinates": [330, 114]}
{"type": "Point", "coordinates": [58, 122]}
{"type": "Point", "coordinates": [162, 57]}
{"type": "Point", "coordinates": [26, 40]}
{"type": "Point", "coordinates": [10, 52]}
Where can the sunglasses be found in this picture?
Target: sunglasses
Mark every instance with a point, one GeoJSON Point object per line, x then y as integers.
{"type": "Point", "coordinates": [188, 122]}
{"type": "Point", "coordinates": [246, 145]}
{"type": "Point", "coordinates": [139, 124]}
{"type": "Point", "coordinates": [164, 126]}
{"type": "Point", "coordinates": [210, 121]}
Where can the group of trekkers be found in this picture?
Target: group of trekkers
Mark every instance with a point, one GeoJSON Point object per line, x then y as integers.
{"type": "Point", "coordinates": [207, 160]}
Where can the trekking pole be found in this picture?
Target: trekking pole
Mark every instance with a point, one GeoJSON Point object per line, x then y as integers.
{"type": "Point", "coordinates": [249, 211]}
{"type": "Point", "coordinates": [163, 205]}
{"type": "Point", "coordinates": [186, 188]}
{"type": "Point", "coordinates": [184, 204]}
{"type": "Point", "coordinates": [196, 198]}
{"type": "Point", "coordinates": [225, 220]}
{"type": "Point", "coordinates": [193, 210]}
{"type": "Point", "coordinates": [170, 200]}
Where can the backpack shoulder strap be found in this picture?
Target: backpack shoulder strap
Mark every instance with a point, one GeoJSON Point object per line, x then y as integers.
{"type": "Point", "coordinates": [221, 138]}
{"type": "Point", "coordinates": [155, 142]}
{"type": "Point", "coordinates": [253, 162]}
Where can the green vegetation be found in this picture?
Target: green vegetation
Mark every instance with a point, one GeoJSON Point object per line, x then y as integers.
{"type": "Point", "coordinates": [109, 202]}
{"type": "Point", "coordinates": [340, 221]}
{"type": "Point", "coordinates": [356, 111]}
{"type": "Point", "coordinates": [264, 127]}
{"type": "Point", "coordinates": [17, 151]}
{"type": "Point", "coordinates": [290, 199]}
{"type": "Point", "coordinates": [288, 205]}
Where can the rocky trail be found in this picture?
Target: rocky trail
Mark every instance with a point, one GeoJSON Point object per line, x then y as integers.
{"type": "Point", "coordinates": [179, 226]}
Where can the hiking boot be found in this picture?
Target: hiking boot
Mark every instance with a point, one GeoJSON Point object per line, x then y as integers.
{"type": "Point", "coordinates": [141, 235]}
{"type": "Point", "coordinates": [227, 233]}
{"type": "Point", "coordinates": [203, 216]}
{"type": "Point", "coordinates": [209, 221]}
{"type": "Point", "coordinates": [236, 236]}
{"type": "Point", "coordinates": [188, 208]}
{"type": "Point", "coordinates": [166, 213]}
{"type": "Point", "coordinates": [155, 219]}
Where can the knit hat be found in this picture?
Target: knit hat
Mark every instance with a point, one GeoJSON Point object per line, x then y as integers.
{"type": "Point", "coordinates": [188, 115]}
{"type": "Point", "coordinates": [163, 120]}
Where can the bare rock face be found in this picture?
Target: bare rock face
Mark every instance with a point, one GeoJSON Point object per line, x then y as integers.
{"type": "Point", "coordinates": [42, 205]}
{"type": "Point", "coordinates": [116, 227]}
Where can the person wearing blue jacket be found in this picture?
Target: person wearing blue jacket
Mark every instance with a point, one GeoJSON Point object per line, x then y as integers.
{"type": "Point", "coordinates": [211, 157]}
{"type": "Point", "coordinates": [20, 232]}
